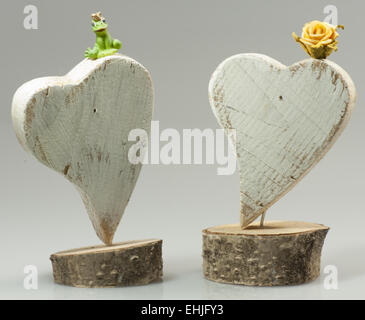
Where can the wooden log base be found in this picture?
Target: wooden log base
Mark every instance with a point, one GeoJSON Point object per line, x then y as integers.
{"type": "Point", "coordinates": [122, 264]}
{"type": "Point", "coordinates": [279, 253]}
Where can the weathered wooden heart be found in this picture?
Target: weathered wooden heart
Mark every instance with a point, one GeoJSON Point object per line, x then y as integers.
{"type": "Point", "coordinates": [286, 119]}
{"type": "Point", "coordinates": [79, 124]}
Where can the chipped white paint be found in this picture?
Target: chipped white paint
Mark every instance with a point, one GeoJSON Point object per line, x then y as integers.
{"type": "Point", "coordinates": [78, 125]}
{"type": "Point", "coordinates": [286, 118]}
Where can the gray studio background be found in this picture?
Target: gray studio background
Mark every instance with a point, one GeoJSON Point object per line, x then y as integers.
{"type": "Point", "coordinates": [181, 43]}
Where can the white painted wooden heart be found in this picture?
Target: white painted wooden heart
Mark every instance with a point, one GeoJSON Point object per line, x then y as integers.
{"type": "Point", "coordinates": [286, 119]}
{"type": "Point", "coordinates": [78, 125]}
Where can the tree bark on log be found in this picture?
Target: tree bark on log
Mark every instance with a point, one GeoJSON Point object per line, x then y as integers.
{"type": "Point", "coordinates": [279, 253]}
{"type": "Point", "coordinates": [123, 264]}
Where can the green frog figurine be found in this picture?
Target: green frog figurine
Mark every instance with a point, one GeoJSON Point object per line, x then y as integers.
{"type": "Point", "coordinates": [105, 45]}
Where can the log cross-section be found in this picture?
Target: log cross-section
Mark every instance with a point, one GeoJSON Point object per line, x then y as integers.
{"type": "Point", "coordinates": [123, 264]}
{"type": "Point", "coordinates": [280, 253]}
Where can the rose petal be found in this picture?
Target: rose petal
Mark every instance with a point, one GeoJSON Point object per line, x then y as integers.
{"type": "Point", "coordinates": [328, 35]}
{"type": "Point", "coordinates": [307, 42]}
{"type": "Point", "coordinates": [324, 42]}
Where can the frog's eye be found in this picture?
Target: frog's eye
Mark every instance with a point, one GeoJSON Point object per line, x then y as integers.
{"type": "Point", "coordinates": [93, 24]}
{"type": "Point", "coordinates": [103, 21]}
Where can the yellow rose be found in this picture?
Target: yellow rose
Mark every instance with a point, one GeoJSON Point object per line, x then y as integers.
{"type": "Point", "coordinates": [318, 39]}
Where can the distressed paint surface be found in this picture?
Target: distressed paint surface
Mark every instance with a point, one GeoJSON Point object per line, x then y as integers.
{"type": "Point", "coordinates": [78, 125]}
{"type": "Point", "coordinates": [286, 118]}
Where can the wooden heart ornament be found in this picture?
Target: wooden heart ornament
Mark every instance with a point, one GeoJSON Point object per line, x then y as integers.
{"type": "Point", "coordinates": [286, 119]}
{"type": "Point", "coordinates": [78, 125]}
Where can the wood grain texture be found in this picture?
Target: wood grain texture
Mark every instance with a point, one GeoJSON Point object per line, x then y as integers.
{"type": "Point", "coordinates": [78, 125]}
{"type": "Point", "coordinates": [281, 253]}
{"type": "Point", "coordinates": [123, 264]}
{"type": "Point", "coordinates": [286, 119]}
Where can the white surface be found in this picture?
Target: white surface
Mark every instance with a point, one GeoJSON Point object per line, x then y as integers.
{"type": "Point", "coordinates": [286, 119]}
{"type": "Point", "coordinates": [181, 44]}
{"type": "Point", "coordinates": [78, 125]}
{"type": "Point", "coordinates": [183, 276]}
